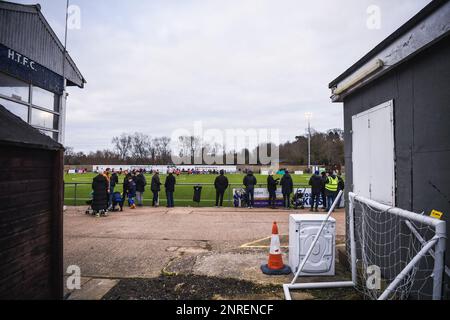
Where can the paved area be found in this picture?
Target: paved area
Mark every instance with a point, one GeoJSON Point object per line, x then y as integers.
{"type": "Point", "coordinates": [148, 242]}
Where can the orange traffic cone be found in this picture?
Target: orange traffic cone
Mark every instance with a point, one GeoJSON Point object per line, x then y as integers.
{"type": "Point", "coordinates": [275, 265]}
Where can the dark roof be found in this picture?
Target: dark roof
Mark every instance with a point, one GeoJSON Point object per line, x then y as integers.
{"type": "Point", "coordinates": [425, 12]}
{"type": "Point", "coordinates": [15, 131]}
{"type": "Point", "coordinates": [25, 29]}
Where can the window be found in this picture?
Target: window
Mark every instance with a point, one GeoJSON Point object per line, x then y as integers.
{"type": "Point", "coordinates": [13, 88]}
{"type": "Point", "coordinates": [15, 96]}
{"type": "Point", "coordinates": [18, 109]}
{"type": "Point", "coordinates": [44, 119]}
{"type": "Point", "coordinates": [45, 99]}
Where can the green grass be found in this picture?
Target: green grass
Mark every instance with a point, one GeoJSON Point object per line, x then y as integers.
{"type": "Point", "coordinates": [183, 190]}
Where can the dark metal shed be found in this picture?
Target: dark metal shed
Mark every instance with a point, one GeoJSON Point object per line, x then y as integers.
{"type": "Point", "coordinates": [408, 75]}
{"type": "Point", "coordinates": [31, 212]}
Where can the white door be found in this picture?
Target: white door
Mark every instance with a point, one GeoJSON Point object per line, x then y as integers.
{"type": "Point", "coordinates": [374, 154]}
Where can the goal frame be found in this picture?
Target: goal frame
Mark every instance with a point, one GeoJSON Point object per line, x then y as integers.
{"type": "Point", "coordinates": [436, 247]}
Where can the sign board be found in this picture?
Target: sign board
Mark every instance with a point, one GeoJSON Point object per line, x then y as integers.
{"type": "Point", "coordinates": [25, 69]}
{"type": "Point", "coordinates": [262, 197]}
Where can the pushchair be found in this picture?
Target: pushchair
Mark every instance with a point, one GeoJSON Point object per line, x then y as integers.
{"type": "Point", "coordinates": [298, 200]}
{"type": "Point", "coordinates": [240, 198]}
{"type": "Point", "coordinates": [96, 208]}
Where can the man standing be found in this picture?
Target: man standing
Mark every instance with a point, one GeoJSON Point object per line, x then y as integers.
{"type": "Point", "coordinates": [331, 189]}
{"type": "Point", "coordinates": [170, 189]}
{"type": "Point", "coordinates": [114, 180]}
{"type": "Point", "coordinates": [221, 185]}
{"type": "Point", "coordinates": [341, 187]}
{"type": "Point", "coordinates": [141, 182]}
{"type": "Point", "coordinates": [125, 184]}
{"type": "Point", "coordinates": [316, 184]}
{"type": "Point", "coordinates": [323, 190]}
{"type": "Point", "coordinates": [156, 187]}
{"type": "Point", "coordinates": [272, 188]}
{"type": "Point", "coordinates": [287, 186]}
{"type": "Point", "coordinates": [249, 183]}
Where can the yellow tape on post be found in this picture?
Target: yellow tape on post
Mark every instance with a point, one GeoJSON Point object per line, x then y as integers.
{"type": "Point", "coordinates": [437, 214]}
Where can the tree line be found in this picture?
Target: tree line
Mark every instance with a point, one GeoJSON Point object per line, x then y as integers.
{"type": "Point", "coordinates": [327, 148]}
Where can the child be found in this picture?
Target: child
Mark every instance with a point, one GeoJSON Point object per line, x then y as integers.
{"type": "Point", "coordinates": [131, 192]}
{"type": "Point", "coordinates": [117, 200]}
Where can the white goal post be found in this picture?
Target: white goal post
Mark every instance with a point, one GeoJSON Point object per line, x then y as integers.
{"type": "Point", "coordinates": [406, 248]}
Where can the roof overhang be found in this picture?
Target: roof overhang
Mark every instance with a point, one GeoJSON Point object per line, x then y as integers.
{"type": "Point", "coordinates": [426, 28]}
{"type": "Point", "coordinates": [75, 79]}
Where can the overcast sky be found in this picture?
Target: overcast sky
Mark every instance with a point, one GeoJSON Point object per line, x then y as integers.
{"type": "Point", "coordinates": [158, 66]}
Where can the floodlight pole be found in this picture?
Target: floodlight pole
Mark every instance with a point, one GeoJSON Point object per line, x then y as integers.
{"type": "Point", "coordinates": [308, 116]}
{"type": "Point", "coordinates": [63, 99]}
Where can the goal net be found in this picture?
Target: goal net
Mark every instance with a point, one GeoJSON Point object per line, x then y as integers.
{"type": "Point", "coordinates": [398, 254]}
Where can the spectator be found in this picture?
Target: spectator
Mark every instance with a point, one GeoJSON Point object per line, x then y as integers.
{"type": "Point", "coordinates": [170, 189]}
{"type": "Point", "coordinates": [113, 181]}
{"type": "Point", "coordinates": [287, 186]}
{"type": "Point", "coordinates": [100, 194]}
{"type": "Point", "coordinates": [221, 185]}
{"type": "Point", "coordinates": [125, 184]}
{"type": "Point", "coordinates": [331, 189]}
{"type": "Point", "coordinates": [341, 183]}
{"type": "Point", "coordinates": [272, 188]}
{"type": "Point", "coordinates": [249, 183]}
{"type": "Point", "coordinates": [316, 184]}
{"type": "Point", "coordinates": [323, 190]}
{"type": "Point", "coordinates": [341, 187]}
{"type": "Point", "coordinates": [156, 187]}
{"type": "Point", "coordinates": [141, 182]}
{"type": "Point", "coordinates": [131, 192]}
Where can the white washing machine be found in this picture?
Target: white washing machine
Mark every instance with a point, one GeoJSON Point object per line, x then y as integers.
{"type": "Point", "coordinates": [303, 229]}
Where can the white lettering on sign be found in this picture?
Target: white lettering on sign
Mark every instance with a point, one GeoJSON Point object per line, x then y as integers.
{"type": "Point", "coordinates": [20, 59]}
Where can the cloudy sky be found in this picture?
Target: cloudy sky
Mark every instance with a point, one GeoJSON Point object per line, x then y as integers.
{"type": "Point", "coordinates": [158, 66]}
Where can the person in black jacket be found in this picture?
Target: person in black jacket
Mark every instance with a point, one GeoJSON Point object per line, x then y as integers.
{"type": "Point", "coordinates": [341, 186]}
{"type": "Point", "coordinates": [287, 186]}
{"type": "Point", "coordinates": [221, 185]}
{"type": "Point", "coordinates": [316, 184]}
{"type": "Point", "coordinates": [272, 188]}
{"type": "Point", "coordinates": [113, 181]}
{"type": "Point", "coordinates": [323, 192]}
{"type": "Point", "coordinates": [125, 185]}
{"type": "Point", "coordinates": [156, 187]}
{"type": "Point", "coordinates": [141, 182]}
{"type": "Point", "coordinates": [249, 183]}
{"type": "Point", "coordinates": [100, 199]}
{"type": "Point", "coordinates": [170, 189]}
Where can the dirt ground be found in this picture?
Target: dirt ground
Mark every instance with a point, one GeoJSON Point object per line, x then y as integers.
{"type": "Point", "coordinates": [193, 253]}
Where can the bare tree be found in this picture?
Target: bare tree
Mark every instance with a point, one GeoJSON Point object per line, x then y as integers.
{"type": "Point", "coordinates": [163, 151]}
{"type": "Point", "coordinates": [140, 146]}
{"type": "Point", "coordinates": [190, 146]}
{"type": "Point", "coordinates": [122, 145]}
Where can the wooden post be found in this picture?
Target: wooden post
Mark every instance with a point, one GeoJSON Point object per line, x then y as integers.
{"type": "Point", "coordinates": [57, 276]}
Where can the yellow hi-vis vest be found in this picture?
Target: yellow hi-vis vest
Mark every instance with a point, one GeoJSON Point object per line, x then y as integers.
{"type": "Point", "coordinates": [332, 184]}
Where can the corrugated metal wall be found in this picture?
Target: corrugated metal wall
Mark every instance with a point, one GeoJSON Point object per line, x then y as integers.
{"type": "Point", "coordinates": [27, 34]}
